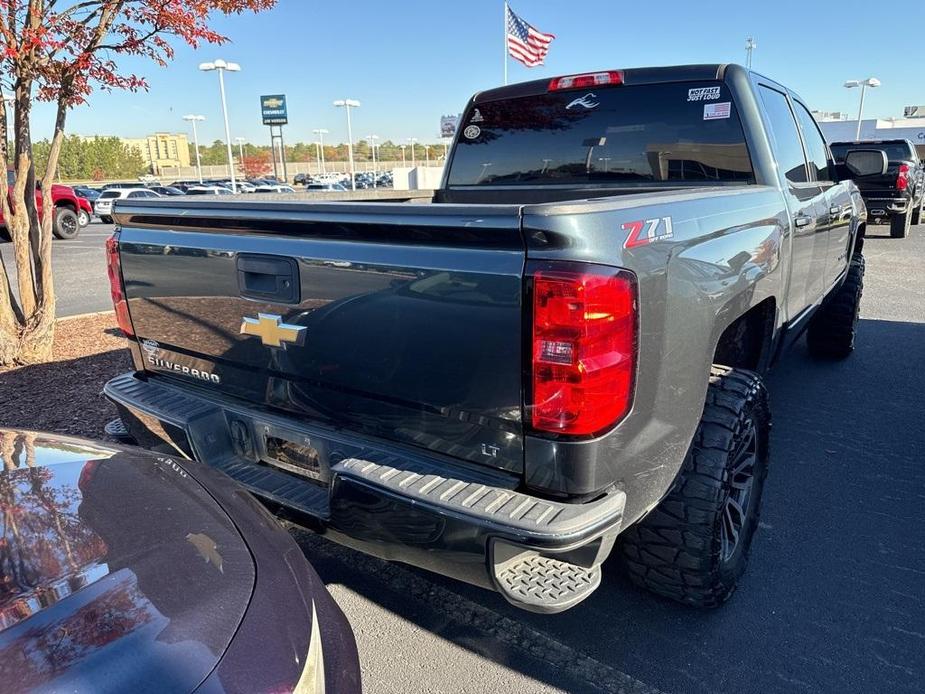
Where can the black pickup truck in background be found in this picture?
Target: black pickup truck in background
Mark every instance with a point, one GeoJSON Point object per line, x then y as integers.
{"type": "Point", "coordinates": [897, 195]}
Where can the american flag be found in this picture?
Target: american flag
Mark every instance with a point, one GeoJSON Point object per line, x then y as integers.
{"type": "Point", "coordinates": [524, 43]}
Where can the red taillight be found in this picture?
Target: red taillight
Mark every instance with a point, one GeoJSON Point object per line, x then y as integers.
{"type": "Point", "coordinates": [902, 180]}
{"type": "Point", "coordinates": [583, 347]}
{"type": "Point", "coordinates": [589, 79]}
{"type": "Point", "coordinates": [114, 265]}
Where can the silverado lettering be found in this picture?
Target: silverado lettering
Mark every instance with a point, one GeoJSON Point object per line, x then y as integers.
{"type": "Point", "coordinates": [185, 370]}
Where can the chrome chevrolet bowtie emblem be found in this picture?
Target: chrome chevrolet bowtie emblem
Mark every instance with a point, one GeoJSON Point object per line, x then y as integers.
{"type": "Point", "coordinates": [272, 331]}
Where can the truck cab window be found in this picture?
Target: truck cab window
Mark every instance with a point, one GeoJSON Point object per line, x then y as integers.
{"type": "Point", "coordinates": [786, 137]}
{"type": "Point", "coordinates": [684, 132]}
{"type": "Point", "coordinates": [815, 144]}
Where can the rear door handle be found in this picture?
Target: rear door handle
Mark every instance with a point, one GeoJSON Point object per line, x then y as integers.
{"type": "Point", "coordinates": [802, 220]}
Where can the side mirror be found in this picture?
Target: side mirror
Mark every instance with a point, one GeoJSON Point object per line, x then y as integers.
{"type": "Point", "coordinates": [866, 162]}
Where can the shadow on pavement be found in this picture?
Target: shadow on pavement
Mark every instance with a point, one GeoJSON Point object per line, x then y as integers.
{"type": "Point", "coordinates": [832, 600]}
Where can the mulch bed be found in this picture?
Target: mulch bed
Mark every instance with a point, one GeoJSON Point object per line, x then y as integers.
{"type": "Point", "coordinates": [65, 395]}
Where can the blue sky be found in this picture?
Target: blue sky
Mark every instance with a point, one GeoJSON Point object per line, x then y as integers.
{"type": "Point", "coordinates": [378, 52]}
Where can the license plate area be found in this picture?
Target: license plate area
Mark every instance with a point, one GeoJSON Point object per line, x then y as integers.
{"type": "Point", "coordinates": [298, 454]}
{"type": "Point", "coordinates": [299, 458]}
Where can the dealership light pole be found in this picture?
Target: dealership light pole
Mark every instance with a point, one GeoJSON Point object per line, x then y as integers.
{"type": "Point", "coordinates": [221, 66]}
{"type": "Point", "coordinates": [240, 141]}
{"type": "Point", "coordinates": [414, 163]}
{"type": "Point", "coordinates": [195, 119]}
{"type": "Point", "coordinates": [320, 132]}
{"type": "Point", "coordinates": [750, 45]}
{"type": "Point", "coordinates": [347, 104]}
{"type": "Point", "coordinates": [863, 84]}
{"type": "Point", "coordinates": [372, 149]}
{"type": "Point", "coordinates": [318, 157]}
{"type": "Point", "coordinates": [402, 147]}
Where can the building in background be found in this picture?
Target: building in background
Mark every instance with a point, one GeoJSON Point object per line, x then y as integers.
{"type": "Point", "coordinates": [838, 127]}
{"type": "Point", "coordinates": [162, 152]}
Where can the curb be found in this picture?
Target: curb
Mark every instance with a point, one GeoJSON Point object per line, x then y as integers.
{"type": "Point", "coordinates": [84, 315]}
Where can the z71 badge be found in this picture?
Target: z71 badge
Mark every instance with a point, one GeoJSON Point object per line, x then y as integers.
{"type": "Point", "coordinates": [645, 231]}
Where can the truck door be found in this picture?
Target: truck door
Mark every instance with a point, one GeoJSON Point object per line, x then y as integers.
{"type": "Point", "coordinates": [837, 198]}
{"type": "Point", "coordinates": [807, 203]}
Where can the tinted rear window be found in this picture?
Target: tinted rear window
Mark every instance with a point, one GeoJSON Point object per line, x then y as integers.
{"type": "Point", "coordinates": [895, 151]}
{"type": "Point", "coordinates": [682, 132]}
{"type": "Point", "coordinates": [109, 194]}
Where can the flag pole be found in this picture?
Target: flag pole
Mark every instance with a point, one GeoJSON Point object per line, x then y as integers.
{"type": "Point", "coordinates": [504, 42]}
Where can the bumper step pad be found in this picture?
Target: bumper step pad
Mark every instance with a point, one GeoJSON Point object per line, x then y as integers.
{"type": "Point", "coordinates": [117, 431]}
{"type": "Point", "coordinates": [545, 584]}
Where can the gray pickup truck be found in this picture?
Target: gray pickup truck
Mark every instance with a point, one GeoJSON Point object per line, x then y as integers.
{"type": "Point", "coordinates": [558, 355]}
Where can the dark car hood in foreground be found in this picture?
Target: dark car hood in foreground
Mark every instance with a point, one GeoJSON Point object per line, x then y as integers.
{"type": "Point", "coordinates": [118, 571]}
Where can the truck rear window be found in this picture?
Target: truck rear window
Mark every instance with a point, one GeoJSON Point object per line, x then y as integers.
{"type": "Point", "coordinates": [895, 151]}
{"type": "Point", "coordinates": [676, 132]}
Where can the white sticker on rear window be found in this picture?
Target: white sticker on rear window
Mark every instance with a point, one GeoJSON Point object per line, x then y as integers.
{"type": "Point", "coordinates": [717, 111]}
{"type": "Point", "coordinates": [703, 94]}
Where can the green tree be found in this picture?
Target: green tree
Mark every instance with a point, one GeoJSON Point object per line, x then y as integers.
{"type": "Point", "coordinates": [85, 158]}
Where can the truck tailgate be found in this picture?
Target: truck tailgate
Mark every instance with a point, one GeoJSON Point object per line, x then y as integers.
{"type": "Point", "coordinates": [399, 321]}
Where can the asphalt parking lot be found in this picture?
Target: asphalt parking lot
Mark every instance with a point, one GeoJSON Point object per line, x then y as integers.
{"type": "Point", "coordinates": [80, 270]}
{"type": "Point", "coordinates": [832, 600]}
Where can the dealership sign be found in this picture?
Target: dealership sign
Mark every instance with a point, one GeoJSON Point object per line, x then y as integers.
{"type": "Point", "coordinates": [914, 111]}
{"type": "Point", "coordinates": [273, 109]}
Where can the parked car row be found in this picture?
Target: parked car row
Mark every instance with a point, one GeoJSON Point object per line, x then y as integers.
{"type": "Point", "coordinates": [76, 205]}
{"type": "Point", "coordinates": [327, 181]}
{"type": "Point", "coordinates": [105, 199]}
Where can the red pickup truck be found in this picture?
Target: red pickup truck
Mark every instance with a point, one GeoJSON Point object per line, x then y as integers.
{"type": "Point", "coordinates": [67, 207]}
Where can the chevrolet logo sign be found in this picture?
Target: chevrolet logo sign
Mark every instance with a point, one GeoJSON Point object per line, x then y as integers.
{"type": "Point", "coordinates": [272, 331]}
{"type": "Point", "coordinates": [272, 103]}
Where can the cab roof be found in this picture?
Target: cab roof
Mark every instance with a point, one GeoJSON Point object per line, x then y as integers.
{"type": "Point", "coordinates": [631, 76]}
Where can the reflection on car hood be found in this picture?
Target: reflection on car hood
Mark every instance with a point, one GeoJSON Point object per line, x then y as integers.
{"type": "Point", "coordinates": [116, 568]}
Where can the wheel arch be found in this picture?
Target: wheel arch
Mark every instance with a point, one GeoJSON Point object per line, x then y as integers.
{"type": "Point", "coordinates": [859, 237]}
{"type": "Point", "coordinates": [747, 342]}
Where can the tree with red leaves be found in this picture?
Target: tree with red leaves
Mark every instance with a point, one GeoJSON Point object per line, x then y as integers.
{"type": "Point", "coordinates": [257, 164]}
{"type": "Point", "coordinates": [59, 51]}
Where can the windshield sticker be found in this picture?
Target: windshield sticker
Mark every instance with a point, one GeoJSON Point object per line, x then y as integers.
{"type": "Point", "coordinates": [477, 116]}
{"type": "Point", "coordinates": [588, 101]}
{"type": "Point", "coordinates": [472, 131]}
{"type": "Point", "coordinates": [703, 94]}
{"type": "Point", "coordinates": [646, 231]}
{"type": "Point", "coordinates": [717, 111]}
